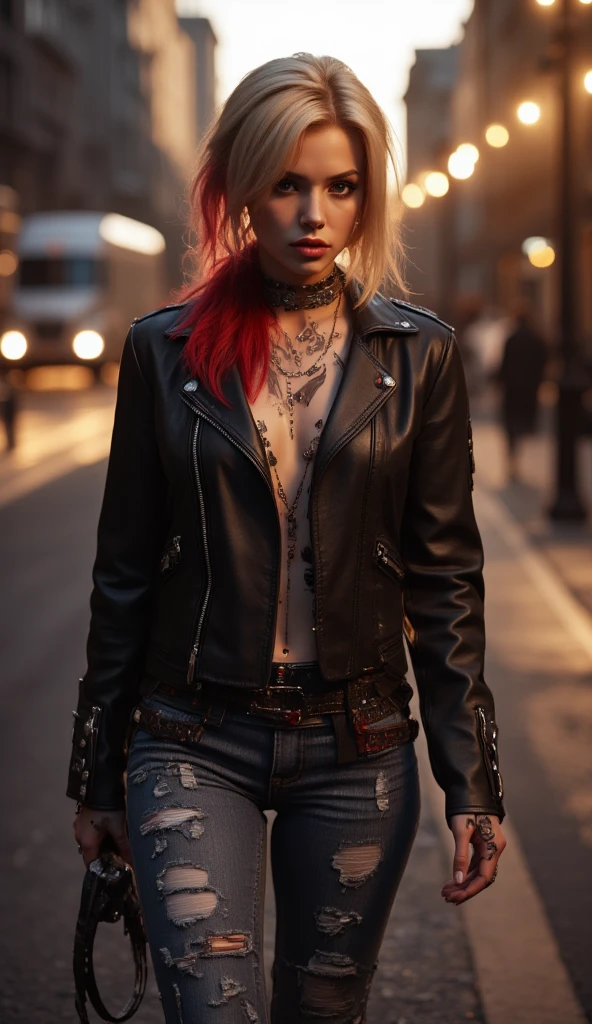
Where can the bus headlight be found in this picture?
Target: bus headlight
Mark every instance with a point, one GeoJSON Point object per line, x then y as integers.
{"type": "Point", "coordinates": [13, 345]}
{"type": "Point", "coordinates": [88, 345]}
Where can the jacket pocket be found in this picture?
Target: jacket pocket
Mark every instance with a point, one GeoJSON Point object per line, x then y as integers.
{"type": "Point", "coordinates": [171, 555]}
{"type": "Point", "coordinates": [487, 731]}
{"type": "Point", "coordinates": [389, 562]}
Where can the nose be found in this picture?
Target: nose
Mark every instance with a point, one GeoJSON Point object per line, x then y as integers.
{"type": "Point", "coordinates": [311, 214]}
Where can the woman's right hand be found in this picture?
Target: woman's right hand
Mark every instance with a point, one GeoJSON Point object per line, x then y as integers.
{"type": "Point", "coordinates": [91, 827]}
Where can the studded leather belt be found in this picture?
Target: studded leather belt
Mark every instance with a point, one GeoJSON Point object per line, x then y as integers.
{"type": "Point", "coordinates": [376, 721]}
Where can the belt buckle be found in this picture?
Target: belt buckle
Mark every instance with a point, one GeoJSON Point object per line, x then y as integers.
{"type": "Point", "coordinates": [291, 716]}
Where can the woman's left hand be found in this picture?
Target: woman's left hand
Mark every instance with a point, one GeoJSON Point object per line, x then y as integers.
{"type": "Point", "coordinates": [484, 833]}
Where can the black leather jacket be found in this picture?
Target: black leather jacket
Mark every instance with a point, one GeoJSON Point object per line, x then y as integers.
{"type": "Point", "coordinates": [187, 566]}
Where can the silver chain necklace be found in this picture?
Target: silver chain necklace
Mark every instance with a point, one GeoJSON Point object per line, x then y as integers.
{"type": "Point", "coordinates": [291, 375]}
{"type": "Point", "coordinates": [290, 512]}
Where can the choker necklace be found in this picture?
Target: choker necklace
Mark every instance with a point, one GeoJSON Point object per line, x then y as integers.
{"type": "Point", "coordinates": [303, 296]}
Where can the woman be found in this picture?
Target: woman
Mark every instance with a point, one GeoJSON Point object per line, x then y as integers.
{"type": "Point", "coordinates": [289, 482]}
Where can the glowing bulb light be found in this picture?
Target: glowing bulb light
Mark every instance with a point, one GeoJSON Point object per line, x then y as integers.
{"type": "Point", "coordinates": [468, 150]}
{"type": "Point", "coordinates": [497, 136]}
{"type": "Point", "coordinates": [542, 258]}
{"type": "Point", "coordinates": [588, 81]}
{"type": "Point", "coordinates": [436, 184]}
{"type": "Point", "coordinates": [545, 3]}
{"type": "Point", "coordinates": [88, 344]}
{"type": "Point", "coordinates": [586, 1]}
{"type": "Point", "coordinates": [460, 165]}
{"type": "Point", "coordinates": [529, 113]}
{"type": "Point", "coordinates": [13, 345]}
{"type": "Point", "coordinates": [413, 196]}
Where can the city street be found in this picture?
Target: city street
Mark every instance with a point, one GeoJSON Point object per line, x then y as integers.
{"type": "Point", "coordinates": [519, 954]}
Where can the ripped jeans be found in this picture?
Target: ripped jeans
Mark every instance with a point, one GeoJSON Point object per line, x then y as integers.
{"type": "Point", "coordinates": [339, 845]}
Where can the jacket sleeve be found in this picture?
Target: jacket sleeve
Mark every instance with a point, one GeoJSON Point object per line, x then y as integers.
{"type": "Point", "coordinates": [443, 599]}
{"type": "Point", "coordinates": [130, 534]}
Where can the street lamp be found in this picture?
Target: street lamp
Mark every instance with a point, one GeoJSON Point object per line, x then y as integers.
{"type": "Point", "coordinates": [529, 112]}
{"type": "Point", "coordinates": [497, 136]}
{"type": "Point", "coordinates": [567, 504]}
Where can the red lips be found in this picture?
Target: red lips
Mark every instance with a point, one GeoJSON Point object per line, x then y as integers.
{"type": "Point", "coordinates": [310, 243]}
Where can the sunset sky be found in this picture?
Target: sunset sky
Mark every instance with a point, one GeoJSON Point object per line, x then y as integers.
{"type": "Point", "coordinates": [377, 38]}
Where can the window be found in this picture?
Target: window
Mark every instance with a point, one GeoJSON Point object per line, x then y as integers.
{"type": "Point", "coordinates": [62, 272]}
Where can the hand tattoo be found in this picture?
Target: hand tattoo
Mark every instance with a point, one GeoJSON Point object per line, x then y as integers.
{"type": "Point", "coordinates": [487, 833]}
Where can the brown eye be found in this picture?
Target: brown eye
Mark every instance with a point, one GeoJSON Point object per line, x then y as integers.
{"type": "Point", "coordinates": [346, 188]}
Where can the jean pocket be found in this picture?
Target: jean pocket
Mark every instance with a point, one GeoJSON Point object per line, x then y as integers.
{"type": "Point", "coordinates": [173, 712]}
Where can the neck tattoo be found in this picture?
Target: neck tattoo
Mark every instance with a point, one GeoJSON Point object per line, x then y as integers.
{"type": "Point", "coordinates": [315, 343]}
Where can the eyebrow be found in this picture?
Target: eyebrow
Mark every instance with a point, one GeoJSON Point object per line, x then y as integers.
{"type": "Point", "coordinates": [333, 177]}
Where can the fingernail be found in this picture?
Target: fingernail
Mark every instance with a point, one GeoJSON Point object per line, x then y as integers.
{"type": "Point", "coordinates": [458, 877]}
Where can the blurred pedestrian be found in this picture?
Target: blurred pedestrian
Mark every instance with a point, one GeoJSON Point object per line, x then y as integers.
{"type": "Point", "coordinates": [520, 375]}
{"type": "Point", "coordinates": [290, 468]}
{"type": "Point", "coordinates": [8, 410]}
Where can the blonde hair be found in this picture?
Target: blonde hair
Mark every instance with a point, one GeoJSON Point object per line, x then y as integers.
{"type": "Point", "coordinates": [256, 136]}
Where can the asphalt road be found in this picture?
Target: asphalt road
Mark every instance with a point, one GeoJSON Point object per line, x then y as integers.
{"type": "Point", "coordinates": [427, 972]}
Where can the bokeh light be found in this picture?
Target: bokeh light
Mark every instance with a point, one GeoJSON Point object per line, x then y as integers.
{"type": "Point", "coordinates": [545, 3]}
{"type": "Point", "coordinates": [460, 165]}
{"type": "Point", "coordinates": [542, 257]}
{"type": "Point", "coordinates": [13, 345]}
{"type": "Point", "coordinates": [469, 150]}
{"type": "Point", "coordinates": [588, 81]}
{"type": "Point", "coordinates": [497, 136]}
{"type": "Point", "coordinates": [413, 196]}
{"type": "Point", "coordinates": [436, 184]}
{"type": "Point", "coordinates": [88, 345]}
{"type": "Point", "coordinates": [539, 250]}
{"type": "Point", "coordinates": [529, 112]}
{"type": "Point", "coordinates": [8, 262]}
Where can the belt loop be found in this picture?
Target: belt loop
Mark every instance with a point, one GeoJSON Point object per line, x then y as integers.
{"type": "Point", "coordinates": [347, 750]}
{"type": "Point", "coordinates": [216, 712]}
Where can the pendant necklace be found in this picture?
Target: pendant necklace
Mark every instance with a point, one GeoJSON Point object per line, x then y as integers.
{"type": "Point", "coordinates": [290, 512]}
{"type": "Point", "coordinates": [306, 392]}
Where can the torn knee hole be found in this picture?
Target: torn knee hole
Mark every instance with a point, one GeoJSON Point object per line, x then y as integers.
{"type": "Point", "coordinates": [186, 820]}
{"type": "Point", "coordinates": [332, 921]}
{"type": "Point", "coordinates": [330, 985]}
{"type": "Point", "coordinates": [356, 863]}
{"type": "Point", "coordinates": [381, 792]}
{"type": "Point", "coordinates": [229, 990]}
{"type": "Point", "coordinates": [183, 771]}
{"type": "Point", "coordinates": [187, 894]}
{"type": "Point", "coordinates": [211, 945]}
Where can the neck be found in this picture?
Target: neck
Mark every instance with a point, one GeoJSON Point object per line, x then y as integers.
{"type": "Point", "coordinates": [291, 297]}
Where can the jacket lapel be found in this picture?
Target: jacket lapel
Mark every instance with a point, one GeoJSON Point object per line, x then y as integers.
{"type": "Point", "coordinates": [367, 383]}
{"type": "Point", "coordinates": [365, 387]}
{"type": "Point", "coordinates": [235, 420]}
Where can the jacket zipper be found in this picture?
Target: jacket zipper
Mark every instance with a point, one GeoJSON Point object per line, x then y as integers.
{"type": "Point", "coordinates": [384, 558]}
{"type": "Point", "coordinates": [202, 509]}
{"type": "Point", "coordinates": [225, 433]}
{"type": "Point", "coordinates": [489, 750]}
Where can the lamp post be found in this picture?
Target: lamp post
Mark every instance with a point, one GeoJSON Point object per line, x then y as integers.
{"type": "Point", "coordinates": [567, 504]}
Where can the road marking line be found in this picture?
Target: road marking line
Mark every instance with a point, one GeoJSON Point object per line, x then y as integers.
{"type": "Point", "coordinates": [520, 972]}
{"type": "Point", "coordinates": [572, 615]}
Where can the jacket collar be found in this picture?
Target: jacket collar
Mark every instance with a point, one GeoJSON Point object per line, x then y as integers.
{"type": "Point", "coordinates": [380, 314]}
{"type": "Point", "coordinates": [366, 385]}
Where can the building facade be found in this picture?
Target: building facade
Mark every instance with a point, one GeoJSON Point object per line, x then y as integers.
{"type": "Point", "coordinates": [102, 106]}
{"type": "Point", "coordinates": [509, 54]}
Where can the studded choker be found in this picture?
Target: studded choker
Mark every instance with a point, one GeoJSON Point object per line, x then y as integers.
{"type": "Point", "coordinates": [303, 296]}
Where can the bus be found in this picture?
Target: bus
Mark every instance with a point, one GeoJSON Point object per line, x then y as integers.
{"type": "Point", "coordinates": [82, 278]}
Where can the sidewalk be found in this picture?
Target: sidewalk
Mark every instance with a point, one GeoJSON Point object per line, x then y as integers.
{"type": "Point", "coordinates": [568, 546]}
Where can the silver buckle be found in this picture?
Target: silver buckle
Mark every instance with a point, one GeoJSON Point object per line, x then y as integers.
{"type": "Point", "coordinates": [292, 716]}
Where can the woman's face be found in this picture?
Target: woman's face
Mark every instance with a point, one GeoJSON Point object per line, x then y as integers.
{"type": "Point", "coordinates": [318, 198]}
